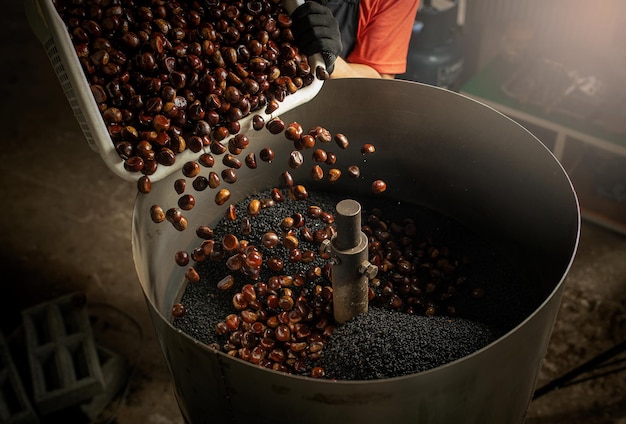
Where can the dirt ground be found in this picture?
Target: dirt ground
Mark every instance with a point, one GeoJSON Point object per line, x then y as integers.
{"type": "Point", "coordinates": [591, 321]}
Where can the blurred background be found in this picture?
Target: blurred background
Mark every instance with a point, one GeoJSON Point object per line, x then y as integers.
{"type": "Point", "coordinates": [556, 67]}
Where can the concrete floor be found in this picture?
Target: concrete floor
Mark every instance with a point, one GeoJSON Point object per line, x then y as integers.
{"type": "Point", "coordinates": [65, 226]}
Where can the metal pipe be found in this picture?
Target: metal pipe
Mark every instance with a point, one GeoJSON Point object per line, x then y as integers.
{"type": "Point", "coordinates": [350, 270]}
{"type": "Point", "coordinates": [348, 219]}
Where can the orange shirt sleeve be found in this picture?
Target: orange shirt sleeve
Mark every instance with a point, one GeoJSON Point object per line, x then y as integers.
{"type": "Point", "coordinates": [383, 35]}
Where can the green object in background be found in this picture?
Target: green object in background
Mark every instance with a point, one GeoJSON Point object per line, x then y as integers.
{"type": "Point", "coordinates": [551, 96]}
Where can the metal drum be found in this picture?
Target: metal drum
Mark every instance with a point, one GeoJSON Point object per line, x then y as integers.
{"type": "Point", "coordinates": [434, 148]}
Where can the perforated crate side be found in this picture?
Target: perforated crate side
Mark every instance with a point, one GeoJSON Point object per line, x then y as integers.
{"type": "Point", "coordinates": [57, 64]}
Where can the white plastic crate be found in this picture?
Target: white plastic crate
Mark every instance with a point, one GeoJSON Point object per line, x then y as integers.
{"type": "Point", "coordinates": [63, 361]}
{"type": "Point", "coordinates": [52, 33]}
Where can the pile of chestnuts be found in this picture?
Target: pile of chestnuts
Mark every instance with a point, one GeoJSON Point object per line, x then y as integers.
{"type": "Point", "coordinates": [174, 75]}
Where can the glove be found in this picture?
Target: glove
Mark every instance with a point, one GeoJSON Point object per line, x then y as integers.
{"type": "Point", "coordinates": [315, 30]}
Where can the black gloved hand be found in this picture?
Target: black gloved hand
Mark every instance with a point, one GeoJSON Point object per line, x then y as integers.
{"type": "Point", "coordinates": [316, 30]}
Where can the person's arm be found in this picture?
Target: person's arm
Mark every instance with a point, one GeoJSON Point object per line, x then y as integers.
{"type": "Point", "coordinates": [388, 25]}
{"type": "Point", "coordinates": [345, 69]}
{"type": "Point", "coordinates": [384, 33]}
{"type": "Point", "coordinates": [316, 30]}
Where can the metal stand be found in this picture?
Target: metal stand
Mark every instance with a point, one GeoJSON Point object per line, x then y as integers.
{"type": "Point", "coordinates": [602, 361]}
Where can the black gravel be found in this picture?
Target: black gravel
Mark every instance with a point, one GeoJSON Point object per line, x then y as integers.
{"type": "Point", "coordinates": [381, 343]}
{"type": "Point", "coordinates": [384, 343]}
